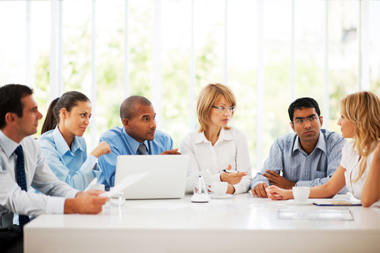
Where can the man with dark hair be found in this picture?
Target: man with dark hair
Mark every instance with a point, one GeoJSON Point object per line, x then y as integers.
{"type": "Point", "coordinates": [138, 136]}
{"type": "Point", "coordinates": [308, 157]}
{"type": "Point", "coordinates": [22, 165]}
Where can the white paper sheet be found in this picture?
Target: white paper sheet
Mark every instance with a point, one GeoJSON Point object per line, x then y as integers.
{"type": "Point", "coordinates": [129, 180]}
{"type": "Point", "coordinates": [316, 214]}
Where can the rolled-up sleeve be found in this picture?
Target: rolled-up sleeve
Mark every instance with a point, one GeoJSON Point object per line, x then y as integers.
{"type": "Point", "coordinates": [273, 162]}
{"type": "Point", "coordinates": [107, 164]}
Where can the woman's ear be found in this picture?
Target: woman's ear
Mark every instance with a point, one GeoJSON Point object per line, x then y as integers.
{"type": "Point", "coordinates": [63, 113]}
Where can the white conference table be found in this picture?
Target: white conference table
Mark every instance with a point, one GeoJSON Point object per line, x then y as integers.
{"type": "Point", "coordinates": [239, 224]}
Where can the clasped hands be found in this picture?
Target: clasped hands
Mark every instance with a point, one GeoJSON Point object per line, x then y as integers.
{"type": "Point", "coordinates": [275, 179]}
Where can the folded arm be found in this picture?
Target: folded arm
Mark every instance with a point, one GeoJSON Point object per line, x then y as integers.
{"type": "Point", "coordinates": [371, 188]}
{"type": "Point", "coordinates": [80, 179]}
{"type": "Point", "coordinates": [274, 163]}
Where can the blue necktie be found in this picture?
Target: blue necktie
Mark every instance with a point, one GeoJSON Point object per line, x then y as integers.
{"type": "Point", "coordinates": [20, 170]}
{"type": "Point", "coordinates": [142, 149]}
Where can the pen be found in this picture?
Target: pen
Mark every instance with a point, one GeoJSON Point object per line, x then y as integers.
{"type": "Point", "coordinates": [199, 184]}
{"type": "Point", "coordinates": [231, 171]}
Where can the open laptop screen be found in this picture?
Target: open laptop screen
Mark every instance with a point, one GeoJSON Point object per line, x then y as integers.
{"type": "Point", "coordinates": [166, 178]}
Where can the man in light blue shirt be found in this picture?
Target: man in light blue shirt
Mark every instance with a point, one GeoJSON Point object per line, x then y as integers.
{"type": "Point", "coordinates": [138, 136]}
{"type": "Point", "coordinates": [308, 157]}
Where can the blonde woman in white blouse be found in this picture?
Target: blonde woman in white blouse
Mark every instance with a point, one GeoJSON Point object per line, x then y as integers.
{"type": "Point", "coordinates": [359, 169]}
{"type": "Point", "coordinates": [216, 146]}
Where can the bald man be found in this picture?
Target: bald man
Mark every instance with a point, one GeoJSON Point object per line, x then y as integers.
{"type": "Point", "coordinates": [138, 136]}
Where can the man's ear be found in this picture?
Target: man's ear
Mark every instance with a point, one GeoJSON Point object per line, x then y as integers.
{"type": "Point", "coordinates": [126, 123]}
{"type": "Point", "coordinates": [10, 117]}
{"type": "Point", "coordinates": [292, 126]}
{"type": "Point", "coordinates": [321, 120]}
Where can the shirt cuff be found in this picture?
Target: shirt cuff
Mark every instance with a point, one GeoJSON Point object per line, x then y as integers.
{"type": "Point", "coordinates": [217, 177]}
{"type": "Point", "coordinates": [55, 205]}
{"type": "Point", "coordinates": [238, 189]}
{"type": "Point", "coordinates": [241, 187]}
{"type": "Point", "coordinates": [92, 159]}
{"type": "Point", "coordinates": [71, 194]}
{"type": "Point", "coordinates": [87, 170]}
{"type": "Point", "coordinates": [304, 183]}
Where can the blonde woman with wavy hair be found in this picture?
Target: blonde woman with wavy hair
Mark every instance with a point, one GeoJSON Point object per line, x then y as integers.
{"type": "Point", "coordinates": [359, 169]}
{"type": "Point", "coordinates": [216, 146]}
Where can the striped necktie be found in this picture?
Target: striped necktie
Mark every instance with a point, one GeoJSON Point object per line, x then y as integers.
{"type": "Point", "coordinates": [21, 180]}
{"type": "Point", "coordinates": [142, 149]}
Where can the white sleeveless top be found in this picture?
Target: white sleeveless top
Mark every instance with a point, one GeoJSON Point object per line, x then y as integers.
{"type": "Point", "coordinates": [350, 161]}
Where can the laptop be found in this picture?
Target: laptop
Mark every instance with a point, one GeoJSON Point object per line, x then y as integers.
{"type": "Point", "coordinates": [166, 177]}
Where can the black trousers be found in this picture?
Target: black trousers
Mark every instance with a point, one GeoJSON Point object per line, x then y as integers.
{"type": "Point", "coordinates": [11, 240]}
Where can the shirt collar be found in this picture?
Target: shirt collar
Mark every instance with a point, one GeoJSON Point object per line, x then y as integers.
{"type": "Point", "coordinates": [133, 143]}
{"type": "Point", "coordinates": [223, 135]}
{"type": "Point", "coordinates": [61, 144]}
{"type": "Point", "coordinates": [321, 143]}
{"type": "Point", "coordinates": [7, 144]}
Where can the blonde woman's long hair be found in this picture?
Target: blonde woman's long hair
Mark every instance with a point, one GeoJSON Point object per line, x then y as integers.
{"type": "Point", "coordinates": [207, 98]}
{"type": "Point", "coordinates": [363, 110]}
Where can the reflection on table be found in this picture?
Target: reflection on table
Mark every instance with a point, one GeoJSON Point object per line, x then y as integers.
{"type": "Point", "coordinates": [241, 223]}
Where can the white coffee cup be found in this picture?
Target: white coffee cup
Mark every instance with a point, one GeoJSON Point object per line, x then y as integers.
{"type": "Point", "coordinates": [96, 187]}
{"type": "Point", "coordinates": [219, 188]}
{"type": "Point", "coordinates": [301, 193]}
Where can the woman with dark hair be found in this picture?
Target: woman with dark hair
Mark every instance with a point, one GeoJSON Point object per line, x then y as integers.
{"type": "Point", "coordinates": [63, 144]}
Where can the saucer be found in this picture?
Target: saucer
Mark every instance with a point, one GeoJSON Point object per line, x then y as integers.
{"type": "Point", "coordinates": [224, 196]}
{"type": "Point", "coordinates": [293, 202]}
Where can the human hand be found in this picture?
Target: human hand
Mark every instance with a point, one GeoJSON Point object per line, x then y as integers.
{"type": "Point", "coordinates": [171, 152]}
{"type": "Point", "coordinates": [276, 193]}
{"type": "Point", "coordinates": [101, 149]}
{"type": "Point", "coordinates": [277, 180]}
{"type": "Point", "coordinates": [259, 190]}
{"type": "Point", "coordinates": [230, 189]}
{"type": "Point", "coordinates": [232, 178]}
{"type": "Point", "coordinates": [85, 203]}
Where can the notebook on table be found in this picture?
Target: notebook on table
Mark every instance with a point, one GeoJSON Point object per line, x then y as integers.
{"type": "Point", "coordinates": [336, 202]}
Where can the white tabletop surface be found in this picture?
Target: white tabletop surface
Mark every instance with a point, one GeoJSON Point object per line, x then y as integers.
{"type": "Point", "coordinates": [241, 223]}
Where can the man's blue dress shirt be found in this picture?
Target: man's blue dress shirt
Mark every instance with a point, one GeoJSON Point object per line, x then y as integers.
{"type": "Point", "coordinates": [123, 144]}
{"type": "Point", "coordinates": [287, 155]}
{"type": "Point", "coordinates": [70, 166]}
